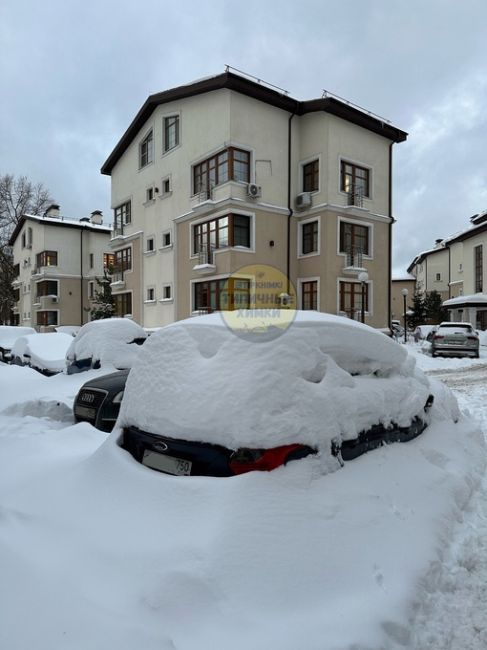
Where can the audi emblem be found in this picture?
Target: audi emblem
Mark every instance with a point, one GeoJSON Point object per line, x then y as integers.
{"type": "Point", "coordinates": [87, 397]}
{"type": "Point", "coordinates": [160, 446]}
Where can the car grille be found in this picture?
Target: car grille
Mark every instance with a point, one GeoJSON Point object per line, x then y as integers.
{"type": "Point", "coordinates": [88, 403]}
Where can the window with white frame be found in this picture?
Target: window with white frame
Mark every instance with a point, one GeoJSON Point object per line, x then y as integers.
{"type": "Point", "coordinates": [166, 186]}
{"type": "Point", "coordinates": [91, 290]}
{"type": "Point", "coordinates": [146, 150]}
{"type": "Point", "coordinates": [166, 239]}
{"type": "Point", "coordinates": [149, 194]}
{"type": "Point", "coordinates": [171, 132]}
{"type": "Point", "coordinates": [311, 176]}
{"type": "Point", "coordinates": [150, 245]}
{"type": "Point", "coordinates": [151, 293]}
{"type": "Point", "coordinates": [167, 292]}
{"type": "Point", "coordinates": [308, 237]}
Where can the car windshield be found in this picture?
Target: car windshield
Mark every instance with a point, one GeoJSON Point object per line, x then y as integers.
{"type": "Point", "coordinates": [461, 329]}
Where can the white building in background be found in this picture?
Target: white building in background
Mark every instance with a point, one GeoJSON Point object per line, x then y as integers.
{"type": "Point", "coordinates": [57, 261]}
{"type": "Point", "coordinates": [227, 172]}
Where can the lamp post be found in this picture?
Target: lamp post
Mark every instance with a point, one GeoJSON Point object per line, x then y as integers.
{"type": "Point", "coordinates": [363, 277]}
{"type": "Point", "coordinates": [404, 297]}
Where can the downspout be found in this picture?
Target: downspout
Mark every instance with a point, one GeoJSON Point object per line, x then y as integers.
{"type": "Point", "coordinates": [449, 272]}
{"type": "Point", "coordinates": [81, 273]}
{"type": "Point", "coordinates": [289, 208]}
{"type": "Point", "coordinates": [391, 223]}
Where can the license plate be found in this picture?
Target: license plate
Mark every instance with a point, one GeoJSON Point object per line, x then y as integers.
{"type": "Point", "coordinates": [85, 412]}
{"type": "Point", "coordinates": [168, 464]}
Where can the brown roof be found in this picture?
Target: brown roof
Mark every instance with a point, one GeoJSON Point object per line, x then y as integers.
{"type": "Point", "coordinates": [257, 91]}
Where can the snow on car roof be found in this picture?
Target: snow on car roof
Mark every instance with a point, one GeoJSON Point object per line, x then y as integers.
{"type": "Point", "coordinates": [10, 333]}
{"type": "Point", "coordinates": [326, 376]}
{"type": "Point", "coordinates": [105, 340]}
{"type": "Point", "coordinates": [47, 351]}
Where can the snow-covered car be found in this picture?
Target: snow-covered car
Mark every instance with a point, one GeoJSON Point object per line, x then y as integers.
{"type": "Point", "coordinates": [107, 342]}
{"type": "Point", "coordinates": [422, 332]}
{"type": "Point", "coordinates": [8, 335]}
{"type": "Point", "coordinates": [43, 352]}
{"type": "Point", "coordinates": [98, 400]}
{"type": "Point", "coordinates": [455, 340]}
{"type": "Point", "coordinates": [203, 399]}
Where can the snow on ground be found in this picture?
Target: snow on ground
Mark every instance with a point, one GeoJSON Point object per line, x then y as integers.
{"type": "Point", "coordinates": [98, 551]}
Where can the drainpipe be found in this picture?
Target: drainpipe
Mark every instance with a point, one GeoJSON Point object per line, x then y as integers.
{"type": "Point", "coordinates": [449, 272]}
{"type": "Point", "coordinates": [81, 273]}
{"type": "Point", "coordinates": [391, 223]}
{"type": "Point", "coordinates": [289, 208]}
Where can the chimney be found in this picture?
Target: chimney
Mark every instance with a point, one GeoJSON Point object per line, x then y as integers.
{"type": "Point", "coordinates": [438, 243]}
{"type": "Point", "coordinates": [52, 211]}
{"type": "Point", "coordinates": [97, 217]}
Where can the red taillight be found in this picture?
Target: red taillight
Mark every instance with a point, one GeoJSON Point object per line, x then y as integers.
{"type": "Point", "coordinates": [438, 336]}
{"type": "Point", "coordinates": [472, 338]}
{"type": "Point", "coordinates": [263, 460]}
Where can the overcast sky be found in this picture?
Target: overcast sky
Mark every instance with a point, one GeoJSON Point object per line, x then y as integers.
{"type": "Point", "coordinates": [74, 73]}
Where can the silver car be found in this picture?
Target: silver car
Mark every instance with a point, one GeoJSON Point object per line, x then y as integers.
{"type": "Point", "coordinates": [455, 340]}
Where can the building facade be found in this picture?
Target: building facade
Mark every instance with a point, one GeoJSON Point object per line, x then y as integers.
{"type": "Point", "coordinates": [57, 261]}
{"type": "Point", "coordinates": [225, 174]}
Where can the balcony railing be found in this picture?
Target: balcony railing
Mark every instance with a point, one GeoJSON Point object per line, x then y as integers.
{"type": "Point", "coordinates": [353, 260]}
{"type": "Point", "coordinates": [356, 197]}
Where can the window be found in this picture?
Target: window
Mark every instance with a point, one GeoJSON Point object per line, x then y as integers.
{"type": "Point", "coordinates": [122, 215]}
{"type": "Point", "coordinates": [146, 150]}
{"type": "Point", "coordinates": [166, 186]}
{"type": "Point", "coordinates": [478, 269]}
{"type": "Point", "coordinates": [91, 260]}
{"type": "Point", "coordinates": [221, 295]}
{"type": "Point", "coordinates": [309, 237]}
{"type": "Point", "coordinates": [108, 261]}
{"type": "Point", "coordinates": [45, 318]}
{"type": "Point", "coordinates": [351, 298]}
{"type": "Point", "coordinates": [122, 304]}
{"type": "Point", "coordinates": [149, 194]}
{"type": "Point", "coordinates": [355, 180]}
{"type": "Point", "coordinates": [46, 258]}
{"type": "Point", "coordinates": [311, 176]}
{"type": "Point", "coordinates": [150, 294]}
{"type": "Point", "coordinates": [166, 239]}
{"type": "Point", "coordinates": [23, 240]}
{"type": "Point", "coordinates": [149, 247]}
{"type": "Point", "coordinates": [91, 290]}
{"type": "Point", "coordinates": [438, 277]}
{"type": "Point", "coordinates": [230, 230]}
{"type": "Point", "coordinates": [47, 288]}
{"type": "Point", "coordinates": [229, 165]}
{"type": "Point", "coordinates": [167, 292]}
{"type": "Point", "coordinates": [16, 270]}
{"type": "Point", "coordinates": [29, 237]}
{"type": "Point", "coordinates": [123, 260]}
{"type": "Point", "coordinates": [309, 295]}
{"type": "Point", "coordinates": [354, 238]}
{"type": "Point", "coordinates": [171, 132]}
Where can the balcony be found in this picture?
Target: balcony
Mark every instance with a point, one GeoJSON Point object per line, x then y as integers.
{"type": "Point", "coordinates": [356, 197]}
{"type": "Point", "coordinates": [118, 281]}
{"type": "Point", "coordinates": [206, 261]}
{"type": "Point", "coordinates": [46, 299]}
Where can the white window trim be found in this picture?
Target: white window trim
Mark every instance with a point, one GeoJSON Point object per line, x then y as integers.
{"type": "Point", "coordinates": [144, 137]}
{"type": "Point", "coordinates": [369, 283]}
{"type": "Point", "coordinates": [180, 121]}
{"type": "Point", "coordinates": [162, 194]}
{"type": "Point", "coordinates": [151, 201]}
{"type": "Point", "coordinates": [301, 281]}
{"type": "Point", "coordinates": [165, 247]}
{"type": "Point", "coordinates": [166, 300]}
{"type": "Point", "coordinates": [221, 276]}
{"type": "Point", "coordinates": [304, 162]}
{"type": "Point", "coordinates": [91, 284]}
{"type": "Point", "coordinates": [147, 250]}
{"type": "Point", "coordinates": [216, 215]}
{"type": "Point", "coordinates": [118, 205]}
{"type": "Point", "coordinates": [150, 301]}
{"type": "Point", "coordinates": [213, 152]}
{"type": "Point", "coordinates": [358, 222]}
{"type": "Point", "coordinates": [40, 311]}
{"type": "Point", "coordinates": [300, 238]}
{"type": "Point", "coordinates": [358, 163]}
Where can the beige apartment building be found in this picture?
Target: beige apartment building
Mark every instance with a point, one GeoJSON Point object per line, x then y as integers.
{"type": "Point", "coordinates": [57, 261]}
{"type": "Point", "coordinates": [227, 173]}
{"type": "Point", "coordinates": [456, 269]}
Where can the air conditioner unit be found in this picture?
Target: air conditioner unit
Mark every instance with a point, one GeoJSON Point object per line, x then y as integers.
{"type": "Point", "coordinates": [254, 190]}
{"type": "Point", "coordinates": [303, 201]}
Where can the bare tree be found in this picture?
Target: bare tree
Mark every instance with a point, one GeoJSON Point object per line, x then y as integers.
{"type": "Point", "coordinates": [18, 196]}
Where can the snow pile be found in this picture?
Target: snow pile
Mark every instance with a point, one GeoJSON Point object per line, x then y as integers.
{"type": "Point", "coordinates": [10, 333]}
{"type": "Point", "coordinates": [326, 377]}
{"type": "Point", "coordinates": [109, 341]}
{"type": "Point", "coordinates": [43, 351]}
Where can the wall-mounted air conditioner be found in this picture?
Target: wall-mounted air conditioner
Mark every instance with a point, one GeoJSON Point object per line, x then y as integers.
{"type": "Point", "coordinates": [303, 201]}
{"type": "Point", "coordinates": [254, 190]}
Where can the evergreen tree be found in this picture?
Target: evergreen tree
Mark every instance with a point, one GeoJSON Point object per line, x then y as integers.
{"type": "Point", "coordinates": [104, 301]}
{"type": "Point", "coordinates": [434, 310]}
{"type": "Point", "coordinates": [418, 312]}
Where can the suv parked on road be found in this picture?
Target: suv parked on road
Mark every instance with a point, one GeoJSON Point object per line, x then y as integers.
{"type": "Point", "coordinates": [455, 340]}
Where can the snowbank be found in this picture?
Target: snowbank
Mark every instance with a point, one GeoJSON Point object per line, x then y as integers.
{"type": "Point", "coordinates": [325, 377]}
{"type": "Point", "coordinates": [9, 334]}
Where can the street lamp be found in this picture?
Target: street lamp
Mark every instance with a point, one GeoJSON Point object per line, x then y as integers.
{"type": "Point", "coordinates": [363, 277]}
{"type": "Point", "coordinates": [404, 297]}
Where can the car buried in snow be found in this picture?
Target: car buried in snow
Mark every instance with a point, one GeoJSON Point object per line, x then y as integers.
{"type": "Point", "coordinates": [204, 399]}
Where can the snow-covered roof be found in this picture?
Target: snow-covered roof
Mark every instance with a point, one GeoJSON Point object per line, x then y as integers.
{"type": "Point", "coordinates": [84, 223]}
{"type": "Point", "coordinates": [403, 277]}
{"type": "Point", "coordinates": [475, 298]}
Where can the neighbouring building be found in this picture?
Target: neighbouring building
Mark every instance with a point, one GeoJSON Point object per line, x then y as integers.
{"type": "Point", "coordinates": [455, 268]}
{"type": "Point", "coordinates": [399, 283]}
{"type": "Point", "coordinates": [227, 172]}
{"type": "Point", "coordinates": [57, 261]}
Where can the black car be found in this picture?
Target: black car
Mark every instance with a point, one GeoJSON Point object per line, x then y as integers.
{"type": "Point", "coordinates": [98, 400]}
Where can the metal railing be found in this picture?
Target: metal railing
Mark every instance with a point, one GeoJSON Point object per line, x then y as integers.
{"type": "Point", "coordinates": [356, 197]}
{"type": "Point", "coordinates": [354, 258]}
{"type": "Point", "coordinates": [206, 254]}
